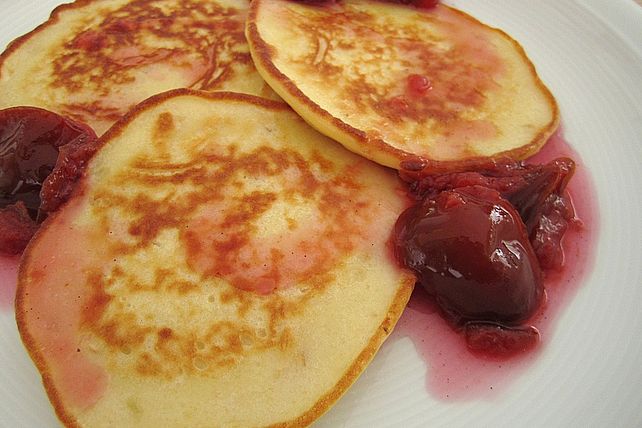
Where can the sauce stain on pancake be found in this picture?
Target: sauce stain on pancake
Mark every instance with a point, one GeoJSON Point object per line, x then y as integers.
{"type": "Point", "coordinates": [112, 54]}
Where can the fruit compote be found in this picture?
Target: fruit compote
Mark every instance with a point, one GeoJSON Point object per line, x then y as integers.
{"type": "Point", "coordinates": [42, 154]}
{"type": "Point", "coordinates": [478, 240]}
{"type": "Point", "coordinates": [498, 251]}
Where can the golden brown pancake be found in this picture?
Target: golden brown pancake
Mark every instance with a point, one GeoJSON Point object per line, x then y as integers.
{"type": "Point", "coordinates": [220, 264]}
{"type": "Point", "coordinates": [390, 81]}
{"type": "Point", "coordinates": [93, 60]}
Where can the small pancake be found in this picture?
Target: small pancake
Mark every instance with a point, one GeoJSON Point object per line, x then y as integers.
{"type": "Point", "coordinates": [220, 264]}
{"type": "Point", "coordinates": [391, 81]}
{"type": "Point", "coordinates": [93, 60]}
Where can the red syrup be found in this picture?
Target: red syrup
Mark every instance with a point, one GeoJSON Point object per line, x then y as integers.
{"type": "Point", "coordinates": [453, 371]}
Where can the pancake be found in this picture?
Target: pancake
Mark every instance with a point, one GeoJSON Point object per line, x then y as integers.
{"type": "Point", "coordinates": [392, 82]}
{"type": "Point", "coordinates": [93, 60]}
{"type": "Point", "coordinates": [219, 264]}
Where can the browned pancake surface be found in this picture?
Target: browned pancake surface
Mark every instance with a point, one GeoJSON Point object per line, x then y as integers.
{"type": "Point", "coordinates": [391, 81]}
{"type": "Point", "coordinates": [93, 60]}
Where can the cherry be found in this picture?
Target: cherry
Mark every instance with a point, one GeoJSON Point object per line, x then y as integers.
{"type": "Point", "coordinates": [425, 4]}
{"type": "Point", "coordinates": [537, 191]}
{"type": "Point", "coordinates": [42, 154]}
{"type": "Point", "coordinates": [470, 250]}
{"type": "Point", "coordinates": [497, 341]}
{"type": "Point", "coordinates": [16, 228]}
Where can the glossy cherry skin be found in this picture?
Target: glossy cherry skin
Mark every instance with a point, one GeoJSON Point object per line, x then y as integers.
{"type": "Point", "coordinates": [470, 250]}
{"type": "Point", "coordinates": [42, 156]}
{"type": "Point", "coordinates": [30, 142]}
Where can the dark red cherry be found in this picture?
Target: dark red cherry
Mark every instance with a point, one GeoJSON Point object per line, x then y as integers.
{"type": "Point", "coordinates": [30, 141]}
{"type": "Point", "coordinates": [537, 191]}
{"type": "Point", "coordinates": [16, 228]}
{"type": "Point", "coordinates": [42, 155]}
{"type": "Point", "coordinates": [470, 250]}
{"type": "Point", "coordinates": [498, 341]}
{"type": "Point", "coordinates": [425, 4]}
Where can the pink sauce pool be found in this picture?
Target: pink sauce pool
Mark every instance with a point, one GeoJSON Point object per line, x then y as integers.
{"type": "Point", "coordinates": [454, 373]}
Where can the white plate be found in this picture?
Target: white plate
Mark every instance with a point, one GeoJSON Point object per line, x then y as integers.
{"type": "Point", "coordinates": [589, 374]}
